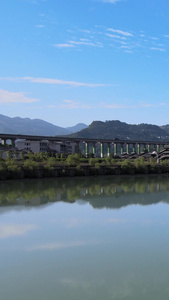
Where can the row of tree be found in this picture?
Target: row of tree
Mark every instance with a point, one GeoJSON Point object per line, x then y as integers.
{"type": "Point", "coordinates": [42, 165]}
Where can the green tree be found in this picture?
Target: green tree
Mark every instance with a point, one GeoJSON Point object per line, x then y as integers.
{"type": "Point", "coordinates": [140, 164]}
{"type": "Point", "coordinates": [73, 159]}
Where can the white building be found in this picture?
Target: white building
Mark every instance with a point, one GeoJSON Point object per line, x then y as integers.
{"type": "Point", "coordinates": [47, 146]}
{"type": "Point", "coordinates": [32, 146]}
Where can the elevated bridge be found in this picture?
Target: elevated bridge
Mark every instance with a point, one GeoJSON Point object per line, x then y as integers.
{"type": "Point", "coordinates": [114, 146]}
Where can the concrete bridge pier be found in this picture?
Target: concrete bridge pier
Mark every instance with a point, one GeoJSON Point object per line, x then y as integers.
{"type": "Point", "coordinates": [101, 150]}
{"type": "Point", "coordinates": [108, 149]}
{"type": "Point", "coordinates": [134, 147]}
{"type": "Point", "coordinates": [3, 141]}
{"type": "Point", "coordinates": [94, 149]}
{"type": "Point", "coordinates": [121, 147]}
{"type": "Point", "coordinates": [13, 142]}
{"type": "Point", "coordinates": [127, 148]}
{"type": "Point", "coordinates": [158, 148]}
{"type": "Point", "coordinates": [86, 149]}
{"type": "Point", "coordinates": [115, 149]}
{"type": "Point", "coordinates": [138, 148]}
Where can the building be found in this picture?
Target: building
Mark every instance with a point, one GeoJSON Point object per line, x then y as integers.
{"type": "Point", "coordinates": [47, 146]}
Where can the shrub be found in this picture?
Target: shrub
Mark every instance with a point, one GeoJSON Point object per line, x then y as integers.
{"type": "Point", "coordinates": [127, 166]}
{"type": "Point", "coordinates": [73, 159]}
{"type": "Point", "coordinates": [140, 165]}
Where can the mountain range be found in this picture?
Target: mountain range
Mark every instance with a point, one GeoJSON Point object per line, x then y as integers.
{"type": "Point", "coordinates": [96, 130]}
{"type": "Point", "coordinates": [19, 125]}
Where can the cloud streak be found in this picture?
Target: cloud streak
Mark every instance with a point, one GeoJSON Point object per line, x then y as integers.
{"type": "Point", "coordinates": [54, 81]}
{"type": "Point", "coordinates": [125, 33]}
{"type": "Point", "coordinates": [64, 45]}
{"type": "Point", "coordinates": [101, 36]}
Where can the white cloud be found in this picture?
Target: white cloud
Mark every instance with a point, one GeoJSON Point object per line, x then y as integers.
{"type": "Point", "coordinates": [116, 36]}
{"type": "Point", "coordinates": [9, 97]}
{"type": "Point", "coordinates": [64, 46]}
{"type": "Point", "coordinates": [158, 49]}
{"type": "Point", "coordinates": [125, 33]}
{"type": "Point", "coordinates": [49, 81]}
{"type": "Point", "coordinates": [86, 43]}
{"type": "Point", "coordinates": [154, 38]}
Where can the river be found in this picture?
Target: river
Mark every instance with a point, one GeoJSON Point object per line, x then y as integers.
{"type": "Point", "coordinates": [85, 239]}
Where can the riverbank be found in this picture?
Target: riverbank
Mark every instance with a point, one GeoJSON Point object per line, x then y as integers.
{"type": "Point", "coordinates": [13, 169]}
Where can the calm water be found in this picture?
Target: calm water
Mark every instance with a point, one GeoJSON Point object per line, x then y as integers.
{"type": "Point", "coordinates": [85, 239]}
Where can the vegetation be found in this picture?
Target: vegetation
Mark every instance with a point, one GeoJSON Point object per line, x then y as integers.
{"type": "Point", "coordinates": [40, 165]}
{"type": "Point", "coordinates": [123, 131]}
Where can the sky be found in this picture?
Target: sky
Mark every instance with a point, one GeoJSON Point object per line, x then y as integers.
{"type": "Point", "coordinates": [79, 61]}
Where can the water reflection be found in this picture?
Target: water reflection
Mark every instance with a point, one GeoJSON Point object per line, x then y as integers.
{"type": "Point", "coordinates": [110, 192]}
{"type": "Point", "coordinates": [53, 249]}
{"type": "Point", "coordinates": [11, 230]}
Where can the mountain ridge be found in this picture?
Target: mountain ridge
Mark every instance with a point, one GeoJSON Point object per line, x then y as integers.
{"type": "Point", "coordinates": [18, 125]}
{"type": "Point", "coordinates": [112, 129]}
{"type": "Point", "coordinates": [123, 131]}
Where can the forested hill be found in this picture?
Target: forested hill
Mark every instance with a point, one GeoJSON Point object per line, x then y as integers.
{"type": "Point", "coordinates": [121, 130]}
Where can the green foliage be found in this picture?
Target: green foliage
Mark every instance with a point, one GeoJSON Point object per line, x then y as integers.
{"type": "Point", "coordinates": [152, 162]}
{"type": "Point", "coordinates": [127, 166]}
{"type": "Point", "coordinates": [164, 162]}
{"type": "Point", "coordinates": [92, 161]}
{"type": "Point", "coordinates": [30, 164]}
{"type": "Point", "coordinates": [73, 159]}
{"type": "Point", "coordinates": [140, 162]}
{"type": "Point", "coordinates": [108, 160]}
{"type": "Point", "coordinates": [51, 162]}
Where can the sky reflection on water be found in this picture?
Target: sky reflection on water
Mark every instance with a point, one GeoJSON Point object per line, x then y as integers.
{"type": "Point", "coordinates": [107, 246]}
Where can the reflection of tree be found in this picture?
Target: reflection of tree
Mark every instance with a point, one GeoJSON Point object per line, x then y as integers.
{"type": "Point", "coordinates": [111, 192]}
{"type": "Point", "coordinates": [140, 188]}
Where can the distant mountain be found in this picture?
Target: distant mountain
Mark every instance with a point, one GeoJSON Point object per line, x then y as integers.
{"type": "Point", "coordinates": [19, 125]}
{"type": "Point", "coordinates": [97, 129]}
{"type": "Point", "coordinates": [120, 130]}
{"type": "Point", "coordinates": [165, 127]}
{"type": "Point", "coordinates": [77, 127]}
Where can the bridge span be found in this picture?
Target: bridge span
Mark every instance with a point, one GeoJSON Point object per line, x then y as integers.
{"type": "Point", "coordinates": [114, 146]}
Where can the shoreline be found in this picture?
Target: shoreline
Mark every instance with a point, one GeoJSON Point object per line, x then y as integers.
{"type": "Point", "coordinates": [76, 172]}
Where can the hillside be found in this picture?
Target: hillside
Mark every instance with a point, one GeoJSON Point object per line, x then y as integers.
{"type": "Point", "coordinates": [19, 125]}
{"type": "Point", "coordinates": [121, 130]}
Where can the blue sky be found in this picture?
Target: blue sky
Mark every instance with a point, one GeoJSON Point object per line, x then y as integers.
{"type": "Point", "coordinates": [72, 61]}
